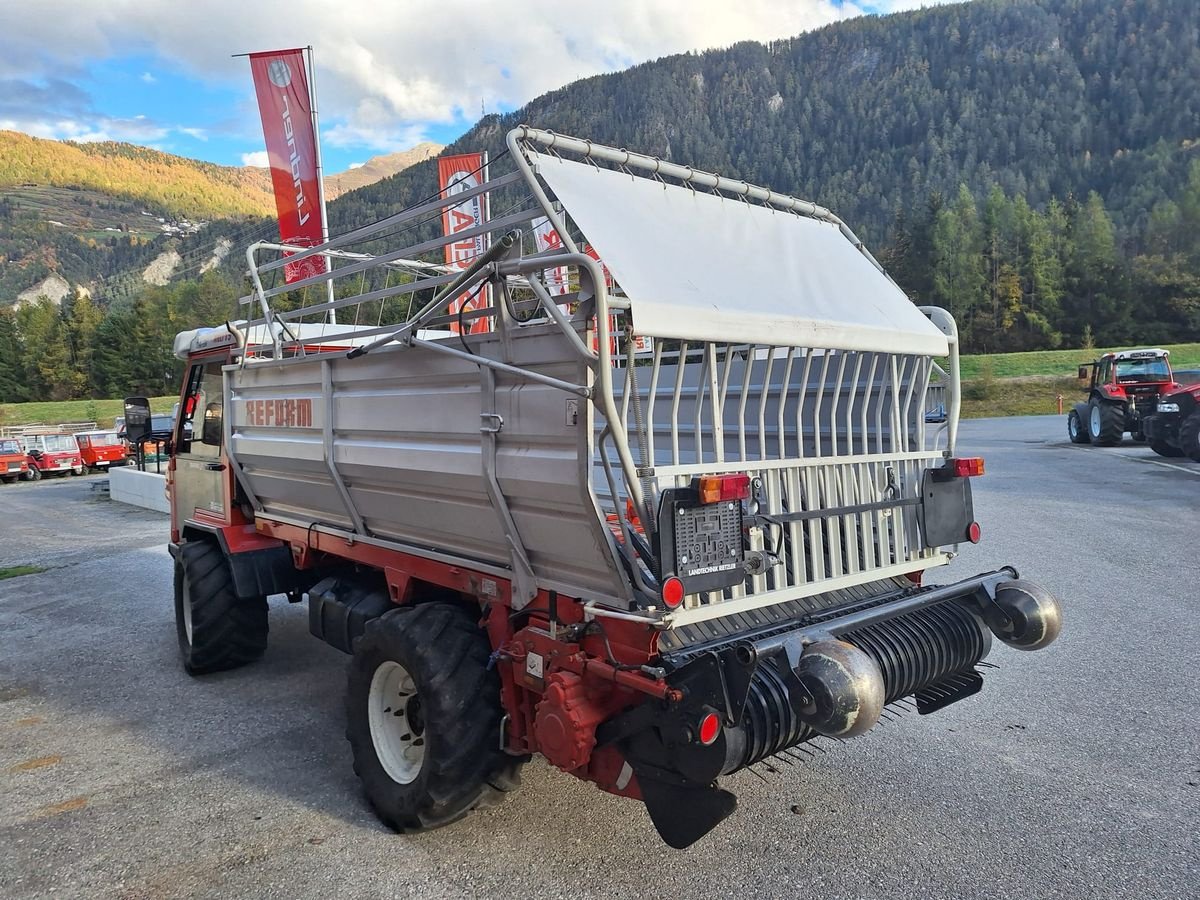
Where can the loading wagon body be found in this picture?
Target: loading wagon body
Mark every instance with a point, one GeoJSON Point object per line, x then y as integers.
{"type": "Point", "coordinates": [673, 516]}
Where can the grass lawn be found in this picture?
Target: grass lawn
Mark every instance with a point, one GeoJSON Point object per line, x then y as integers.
{"type": "Point", "coordinates": [1061, 363]}
{"type": "Point", "coordinates": [18, 571]}
{"type": "Point", "coordinates": [985, 398]}
{"type": "Point", "coordinates": [52, 413]}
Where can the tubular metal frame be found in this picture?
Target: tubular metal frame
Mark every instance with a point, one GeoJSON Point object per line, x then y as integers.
{"type": "Point", "coordinates": [835, 467]}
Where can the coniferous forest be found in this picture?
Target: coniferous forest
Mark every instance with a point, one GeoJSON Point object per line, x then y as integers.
{"type": "Point", "coordinates": [1032, 165]}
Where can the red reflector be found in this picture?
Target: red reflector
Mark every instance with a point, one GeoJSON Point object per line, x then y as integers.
{"type": "Point", "coordinates": [710, 727]}
{"type": "Point", "coordinates": [966, 467]}
{"type": "Point", "coordinates": [672, 592]}
{"type": "Point", "coordinates": [718, 488]}
{"type": "Point", "coordinates": [974, 533]}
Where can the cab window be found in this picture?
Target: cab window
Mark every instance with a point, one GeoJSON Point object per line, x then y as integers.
{"type": "Point", "coordinates": [201, 423]}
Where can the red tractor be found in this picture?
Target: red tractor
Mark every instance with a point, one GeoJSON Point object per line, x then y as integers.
{"type": "Point", "coordinates": [1124, 389]}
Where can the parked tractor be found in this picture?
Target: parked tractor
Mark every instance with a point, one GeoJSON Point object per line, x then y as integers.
{"type": "Point", "coordinates": [657, 530]}
{"type": "Point", "coordinates": [1123, 389]}
{"type": "Point", "coordinates": [1174, 429]}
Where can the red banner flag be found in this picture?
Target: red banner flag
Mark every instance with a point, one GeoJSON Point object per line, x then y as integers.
{"type": "Point", "coordinates": [457, 174]}
{"type": "Point", "coordinates": [284, 102]}
{"type": "Point", "coordinates": [546, 239]}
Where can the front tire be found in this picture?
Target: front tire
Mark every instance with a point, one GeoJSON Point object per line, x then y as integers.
{"type": "Point", "coordinates": [1189, 436]}
{"type": "Point", "coordinates": [217, 630]}
{"type": "Point", "coordinates": [1164, 449]}
{"type": "Point", "coordinates": [34, 474]}
{"type": "Point", "coordinates": [1106, 423]}
{"type": "Point", "coordinates": [423, 718]}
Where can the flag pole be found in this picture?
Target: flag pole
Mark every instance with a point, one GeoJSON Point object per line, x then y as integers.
{"type": "Point", "coordinates": [312, 99]}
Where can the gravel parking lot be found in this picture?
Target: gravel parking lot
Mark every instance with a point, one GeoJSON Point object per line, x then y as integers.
{"type": "Point", "coordinates": [1075, 773]}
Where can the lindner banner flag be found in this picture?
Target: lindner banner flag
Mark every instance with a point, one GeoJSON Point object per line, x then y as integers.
{"type": "Point", "coordinates": [456, 175]}
{"type": "Point", "coordinates": [285, 104]}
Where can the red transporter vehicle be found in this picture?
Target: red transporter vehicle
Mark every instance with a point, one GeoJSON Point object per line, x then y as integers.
{"type": "Point", "coordinates": [653, 570]}
{"type": "Point", "coordinates": [101, 450]}
{"type": "Point", "coordinates": [13, 464]}
{"type": "Point", "coordinates": [51, 453]}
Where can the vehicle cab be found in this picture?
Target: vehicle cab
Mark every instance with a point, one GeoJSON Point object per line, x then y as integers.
{"type": "Point", "coordinates": [13, 464]}
{"type": "Point", "coordinates": [51, 453]}
{"type": "Point", "coordinates": [101, 449]}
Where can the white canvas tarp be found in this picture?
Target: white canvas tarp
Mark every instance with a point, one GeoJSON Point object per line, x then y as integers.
{"type": "Point", "coordinates": [700, 267]}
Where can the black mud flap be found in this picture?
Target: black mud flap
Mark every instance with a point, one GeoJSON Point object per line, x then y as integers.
{"type": "Point", "coordinates": [946, 510]}
{"type": "Point", "coordinates": [682, 812]}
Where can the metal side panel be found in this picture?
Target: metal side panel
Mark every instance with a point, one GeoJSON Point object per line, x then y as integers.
{"type": "Point", "coordinates": [406, 441]}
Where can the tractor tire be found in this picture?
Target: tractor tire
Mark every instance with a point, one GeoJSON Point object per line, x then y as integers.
{"type": "Point", "coordinates": [1189, 436]}
{"type": "Point", "coordinates": [1106, 423]}
{"type": "Point", "coordinates": [217, 630]}
{"type": "Point", "coordinates": [1075, 430]}
{"type": "Point", "coordinates": [423, 718]}
{"type": "Point", "coordinates": [1164, 449]}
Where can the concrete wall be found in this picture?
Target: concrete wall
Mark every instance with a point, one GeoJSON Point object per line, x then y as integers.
{"type": "Point", "coordinates": [145, 489]}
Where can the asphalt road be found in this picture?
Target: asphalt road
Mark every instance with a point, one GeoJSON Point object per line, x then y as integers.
{"type": "Point", "coordinates": [1075, 773]}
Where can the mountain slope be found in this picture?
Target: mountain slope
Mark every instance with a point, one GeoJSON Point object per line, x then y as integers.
{"type": "Point", "coordinates": [1043, 97]}
{"type": "Point", "coordinates": [377, 168]}
{"type": "Point", "coordinates": [98, 214]}
{"type": "Point", "coordinates": [167, 183]}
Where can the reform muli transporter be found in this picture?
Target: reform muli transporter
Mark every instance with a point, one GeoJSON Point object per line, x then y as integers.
{"type": "Point", "coordinates": [656, 505]}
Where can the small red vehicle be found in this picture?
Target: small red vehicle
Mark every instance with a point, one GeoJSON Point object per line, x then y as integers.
{"type": "Point", "coordinates": [12, 460]}
{"type": "Point", "coordinates": [51, 453]}
{"type": "Point", "coordinates": [1124, 388]}
{"type": "Point", "coordinates": [101, 450]}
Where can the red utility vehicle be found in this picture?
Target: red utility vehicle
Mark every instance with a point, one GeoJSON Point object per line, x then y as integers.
{"type": "Point", "coordinates": [51, 453]}
{"type": "Point", "coordinates": [101, 450]}
{"type": "Point", "coordinates": [653, 572]}
{"type": "Point", "coordinates": [13, 464]}
{"type": "Point", "coordinates": [1124, 389]}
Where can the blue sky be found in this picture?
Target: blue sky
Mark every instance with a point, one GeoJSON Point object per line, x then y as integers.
{"type": "Point", "coordinates": [390, 73]}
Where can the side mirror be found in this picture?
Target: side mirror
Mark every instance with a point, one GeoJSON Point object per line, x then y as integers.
{"type": "Point", "coordinates": [137, 418]}
{"type": "Point", "coordinates": [1083, 372]}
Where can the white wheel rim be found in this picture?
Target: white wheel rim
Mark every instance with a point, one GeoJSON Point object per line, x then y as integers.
{"type": "Point", "coordinates": [1073, 425]}
{"type": "Point", "coordinates": [397, 724]}
{"type": "Point", "coordinates": [1095, 420]}
{"type": "Point", "coordinates": [187, 611]}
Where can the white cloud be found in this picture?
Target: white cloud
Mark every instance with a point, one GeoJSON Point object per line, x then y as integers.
{"type": "Point", "coordinates": [354, 166]}
{"type": "Point", "coordinates": [383, 79]}
{"type": "Point", "coordinates": [200, 134]}
{"type": "Point", "coordinates": [257, 158]}
{"type": "Point", "coordinates": [138, 129]}
{"type": "Point", "coordinates": [148, 78]}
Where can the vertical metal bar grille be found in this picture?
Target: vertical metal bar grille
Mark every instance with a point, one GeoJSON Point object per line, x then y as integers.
{"type": "Point", "coordinates": [836, 439]}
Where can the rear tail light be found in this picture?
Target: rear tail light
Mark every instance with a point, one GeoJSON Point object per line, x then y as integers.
{"type": "Point", "coordinates": [710, 728]}
{"type": "Point", "coordinates": [672, 592]}
{"type": "Point", "coordinates": [974, 533]}
{"type": "Point", "coordinates": [719, 488]}
{"type": "Point", "coordinates": [965, 467]}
